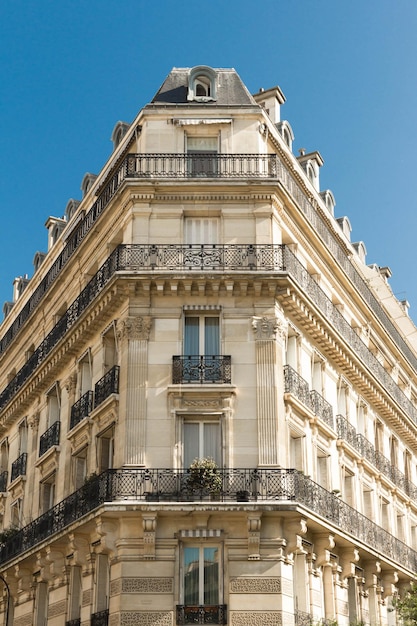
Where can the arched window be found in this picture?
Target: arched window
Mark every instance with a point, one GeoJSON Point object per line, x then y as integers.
{"type": "Point", "coordinates": [202, 84]}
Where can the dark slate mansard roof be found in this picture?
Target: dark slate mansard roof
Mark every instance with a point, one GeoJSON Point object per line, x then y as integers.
{"type": "Point", "coordinates": [230, 89]}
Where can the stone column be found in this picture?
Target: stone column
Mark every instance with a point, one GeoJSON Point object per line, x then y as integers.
{"type": "Point", "coordinates": [269, 333]}
{"type": "Point", "coordinates": [133, 336]}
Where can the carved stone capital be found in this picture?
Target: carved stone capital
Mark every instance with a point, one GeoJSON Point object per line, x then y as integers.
{"type": "Point", "coordinates": [131, 328]}
{"type": "Point", "coordinates": [33, 421]}
{"type": "Point", "coordinates": [70, 384]}
{"type": "Point", "coordinates": [265, 328]}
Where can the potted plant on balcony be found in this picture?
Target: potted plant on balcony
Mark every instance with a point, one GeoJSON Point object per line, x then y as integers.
{"type": "Point", "coordinates": [203, 477]}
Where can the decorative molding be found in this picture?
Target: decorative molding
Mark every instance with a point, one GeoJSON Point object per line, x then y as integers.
{"type": "Point", "coordinates": [265, 328]}
{"type": "Point", "coordinates": [149, 533]}
{"type": "Point", "coordinates": [141, 585]}
{"type": "Point", "coordinates": [24, 620]}
{"type": "Point", "coordinates": [146, 618]}
{"type": "Point", "coordinates": [57, 608]}
{"type": "Point", "coordinates": [134, 328]}
{"type": "Point", "coordinates": [255, 585]}
{"type": "Point", "coordinates": [255, 618]}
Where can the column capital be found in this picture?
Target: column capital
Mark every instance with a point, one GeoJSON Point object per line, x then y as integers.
{"type": "Point", "coordinates": [266, 328]}
{"type": "Point", "coordinates": [134, 328]}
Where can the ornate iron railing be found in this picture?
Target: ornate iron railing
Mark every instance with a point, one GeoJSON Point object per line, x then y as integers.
{"type": "Point", "coordinates": [81, 409]}
{"type": "Point", "coordinates": [19, 466]}
{"type": "Point", "coordinates": [301, 618]}
{"type": "Point", "coordinates": [208, 165]}
{"type": "Point", "coordinates": [202, 257]}
{"type": "Point", "coordinates": [169, 485]}
{"type": "Point", "coordinates": [201, 369]}
{"type": "Point", "coordinates": [207, 614]}
{"type": "Point", "coordinates": [73, 622]}
{"type": "Point", "coordinates": [295, 384]}
{"type": "Point", "coordinates": [3, 481]}
{"type": "Point", "coordinates": [106, 386]}
{"type": "Point", "coordinates": [101, 618]}
{"type": "Point", "coordinates": [49, 438]}
{"type": "Point", "coordinates": [362, 445]}
{"type": "Point", "coordinates": [322, 408]}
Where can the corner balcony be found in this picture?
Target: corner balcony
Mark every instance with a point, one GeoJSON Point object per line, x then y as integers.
{"type": "Point", "coordinates": [201, 370]}
{"type": "Point", "coordinates": [164, 487]}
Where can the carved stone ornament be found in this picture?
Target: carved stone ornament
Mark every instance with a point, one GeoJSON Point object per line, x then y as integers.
{"type": "Point", "coordinates": [132, 328]}
{"type": "Point", "coordinates": [265, 328]}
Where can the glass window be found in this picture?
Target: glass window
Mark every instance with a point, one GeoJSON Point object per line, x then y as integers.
{"type": "Point", "coordinates": [202, 440]}
{"type": "Point", "coordinates": [201, 575]}
{"type": "Point", "coordinates": [202, 156]}
{"type": "Point", "coordinates": [201, 335]}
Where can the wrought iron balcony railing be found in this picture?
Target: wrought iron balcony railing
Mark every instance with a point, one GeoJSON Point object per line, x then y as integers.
{"type": "Point", "coordinates": [296, 385]}
{"type": "Point", "coordinates": [81, 409]}
{"type": "Point", "coordinates": [209, 165]}
{"type": "Point", "coordinates": [203, 257]}
{"type": "Point", "coordinates": [3, 481]}
{"type": "Point", "coordinates": [201, 370]}
{"type": "Point", "coordinates": [73, 622]}
{"type": "Point", "coordinates": [49, 438]}
{"type": "Point", "coordinates": [19, 466]}
{"type": "Point", "coordinates": [101, 618]}
{"type": "Point", "coordinates": [207, 614]}
{"type": "Point", "coordinates": [246, 485]}
{"type": "Point", "coordinates": [106, 386]}
{"type": "Point", "coordinates": [362, 445]}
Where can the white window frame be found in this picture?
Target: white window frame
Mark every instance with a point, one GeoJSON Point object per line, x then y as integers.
{"type": "Point", "coordinates": [201, 545]}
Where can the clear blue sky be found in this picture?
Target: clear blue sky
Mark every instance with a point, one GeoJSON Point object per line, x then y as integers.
{"type": "Point", "coordinates": [70, 69]}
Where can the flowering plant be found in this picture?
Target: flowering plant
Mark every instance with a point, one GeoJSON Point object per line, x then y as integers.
{"type": "Point", "coordinates": [203, 475]}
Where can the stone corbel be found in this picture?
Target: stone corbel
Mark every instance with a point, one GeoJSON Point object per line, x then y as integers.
{"type": "Point", "coordinates": [323, 546]}
{"type": "Point", "coordinates": [295, 530]}
{"type": "Point", "coordinates": [349, 559]}
{"type": "Point", "coordinates": [254, 538]}
{"type": "Point", "coordinates": [390, 580]}
{"type": "Point", "coordinates": [41, 568]}
{"type": "Point", "coordinates": [23, 580]}
{"type": "Point", "coordinates": [149, 534]}
{"type": "Point", "coordinates": [78, 550]}
{"type": "Point", "coordinates": [56, 562]}
{"type": "Point", "coordinates": [104, 536]}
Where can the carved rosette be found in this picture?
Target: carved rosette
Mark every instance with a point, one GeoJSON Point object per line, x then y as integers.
{"type": "Point", "coordinates": [134, 328]}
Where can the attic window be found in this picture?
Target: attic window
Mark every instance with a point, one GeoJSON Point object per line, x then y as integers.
{"type": "Point", "coordinates": [202, 84]}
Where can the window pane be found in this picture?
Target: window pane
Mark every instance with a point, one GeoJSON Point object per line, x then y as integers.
{"type": "Point", "coordinates": [211, 576]}
{"type": "Point", "coordinates": [211, 336]}
{"type": "Point", "coordinates": [191, 338]}
{"type": "Point", "coordinates": [212, 441]}
{"type": "Point", "coordinates": [191, 443]}
{"type": "Point", "coordinates": [191, 576]}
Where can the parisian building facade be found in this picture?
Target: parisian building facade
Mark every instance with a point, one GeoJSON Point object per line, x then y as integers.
{"type": "Point", "coordinates": [208, 400]}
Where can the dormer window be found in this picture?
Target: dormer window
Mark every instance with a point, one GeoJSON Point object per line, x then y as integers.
{"type": "Point", "coordinates": [202, 84]}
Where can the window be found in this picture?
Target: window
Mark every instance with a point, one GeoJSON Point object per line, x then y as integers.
{"type": "Point", "coordinates": [202, 84]}
{"type": "Point", "coordinates": [201, 231]}
{"type": "Point", "coordinates": [202, 439]}
{"type": "Point", "coordinates": [23, 437]}
{"type": "Point", "coordinates": [41, 604]}
{"type": "Point", "coordinates": [202, 362]}
{"type": "Point", "coordinates": [4, 464]}
{"type": "Point", "coordinates": [75, 589]}
{"type": "Point", "coordinates": [109, 348]}
{"type": "Point", "coordinates": [297, 451]}
{"type": "Point", "coordinates": [348, 487]}
{"type": "Point", "coordinates": [47, 494]}
{"type": "Point", "coordinates": [16, 513]}
{"type": "Point", "coordinates": [105, 449]}
{"type": "Point", "coordinates": [102, 582]}
{"type": "Point", "coordinates": [85, 374]}
{"type": "Point", "coordinates": [323, 469]}
{"type": "Point", "coordinates": [53, 405]}
{"type": "Point", "coordinates": [201, 577]}
{"type": "Point", "coordinates": [79, 468]}
{"type": "Point", "coordinates": [202, 156]}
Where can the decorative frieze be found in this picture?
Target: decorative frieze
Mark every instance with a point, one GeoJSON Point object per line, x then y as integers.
{"type": "Point", "coordinates": [255, 618]}
{"type": "Point", "coordinates": [57, 608]}
{"type": "Point", "coordinates": [141, 585]}
{"type": "Point", "coordinates": [24, 620]}
{"type": "Point", "coordinates": [145, 618]}
{"type": "Point", "coordinates": [255, 585]}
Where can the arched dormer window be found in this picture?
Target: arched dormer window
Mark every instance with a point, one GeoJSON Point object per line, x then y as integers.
{"type": "Point", "coordinates": [329, 201]}
{"type": "Point", "coordinates": [202, 84]}
{"type": "Point", "coordinates": [70, 209]}
{"type": "Point", "coordinates": [286, 132]}
{"type": "Point", "coordinates": [87, 182]}
{"type": "Point", "coordinates": [119, 131]}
